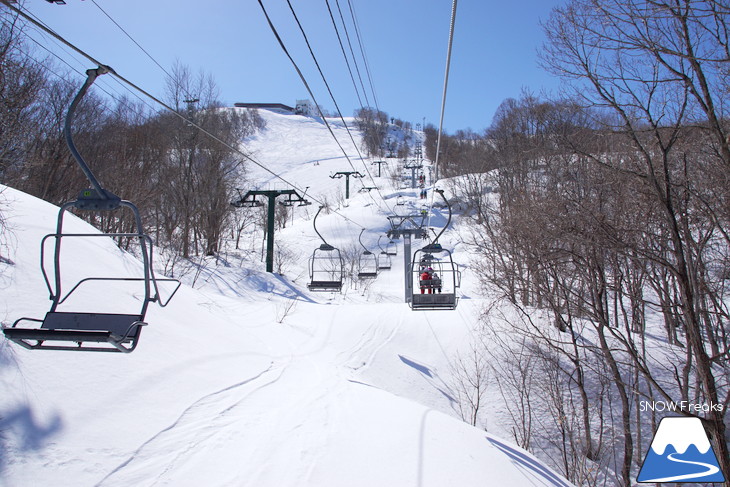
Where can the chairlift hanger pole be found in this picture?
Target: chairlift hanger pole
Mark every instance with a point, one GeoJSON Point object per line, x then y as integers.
{"type": "Point", "coordinates": [446, 84]}
{"type": "Point", "coordinates": [359, 239]}
{"type": "Point", "coordinates": [249, 199]}
{"type": "Point", "coordinates": [448, 221]}
{"type": "Point", "coordinates": [314, 224]}
{"type": "Point", "coordinates": [105, 198]}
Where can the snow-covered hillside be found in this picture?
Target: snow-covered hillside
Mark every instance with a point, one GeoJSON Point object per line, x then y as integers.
{"type": "Point", "coordinates": [248, 378]}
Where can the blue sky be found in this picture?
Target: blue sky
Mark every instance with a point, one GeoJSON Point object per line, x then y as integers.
{"type": "Point", "coordinates": [494, 53]}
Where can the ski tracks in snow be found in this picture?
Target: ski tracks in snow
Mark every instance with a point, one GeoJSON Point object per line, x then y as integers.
{"type": "Point", "coordinates": [376, 336]}
{"type": "Point", "coordinates": [294, 402]}
{"type": "Point", "coordinates": [200, 423]}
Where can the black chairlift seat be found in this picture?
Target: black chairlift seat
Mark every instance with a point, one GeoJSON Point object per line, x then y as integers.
{"type": "Point", "coordinates": [368, 265]}
{"type": "Point", "coordinates": [95, 332]}
{"type": "Point", "coordinates": [334, 286]}
{"type": "Point", "coordinates": [82, 330]}
{"type": "Point", "coordinates": [435, 274]}
{"type": "Point", "coordinates": [391, 248]}
{"type": "Point", "coordinates": [446, 301]}
{"type": "Point", "coordinates": [427, 293]}
{"type": "Point", "coordinates": [326, 266]}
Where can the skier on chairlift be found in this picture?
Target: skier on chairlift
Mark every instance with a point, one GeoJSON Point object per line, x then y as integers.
{"type": "Point", "coordinates": [435, 281]}
{"type": "Point", "coordinates": [427, 280]}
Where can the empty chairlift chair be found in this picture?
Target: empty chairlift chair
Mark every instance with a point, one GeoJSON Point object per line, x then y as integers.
{"type": "Point", "coordinates": [82, 330]}
{"type": "Point", "coordinates": [384, 261]}
{"type": "Point", "coordinates": [326, 266]}
{"type": "Point", "coordinates": [367, 264]}
{"type": "Point", "coordinates": [391, 248]}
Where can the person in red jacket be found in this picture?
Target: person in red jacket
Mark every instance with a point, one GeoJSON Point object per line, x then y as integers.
{"type": "Point", "coordinates": [425, 278]}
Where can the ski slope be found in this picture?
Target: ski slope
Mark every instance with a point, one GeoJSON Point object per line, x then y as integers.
{"type": "Point", "coordinates": [248, 378]}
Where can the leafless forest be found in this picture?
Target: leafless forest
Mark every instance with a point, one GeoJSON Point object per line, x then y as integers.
{"type": "Point", "coordinates": [608, 219]}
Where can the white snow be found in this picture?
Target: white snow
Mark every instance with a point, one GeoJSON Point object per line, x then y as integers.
{"type": "Point", "coordinates": [680, 432]}
{"type": "Point", "coordinates": [230, 386]}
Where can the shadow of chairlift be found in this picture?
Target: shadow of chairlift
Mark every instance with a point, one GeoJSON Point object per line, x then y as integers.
{"type": "Point", "coordinates": [86, 331]}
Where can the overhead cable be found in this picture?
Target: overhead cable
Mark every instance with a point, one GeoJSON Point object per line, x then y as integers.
{"type": "Point", "coordinates": [190, 122]}
{"type": "Point", "coordinates": [344, 54]}
{"type": "Point", "coordinates": [337, 107]}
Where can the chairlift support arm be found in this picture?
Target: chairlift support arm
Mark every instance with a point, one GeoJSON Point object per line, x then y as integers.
{"type": "Point", "coordinates": [448, 221]}
{"type": "Point", "coordinates": [110, 200]}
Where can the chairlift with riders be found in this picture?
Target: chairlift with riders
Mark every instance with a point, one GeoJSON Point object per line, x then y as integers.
{"type": "Point", "coordinates": [435, 275]}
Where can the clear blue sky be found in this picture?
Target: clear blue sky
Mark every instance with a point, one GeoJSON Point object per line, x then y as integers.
{"type": "Point", "coordinates": [494, 53]}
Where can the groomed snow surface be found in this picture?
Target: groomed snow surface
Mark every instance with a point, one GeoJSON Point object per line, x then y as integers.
{"type": "Point", "coordinates": [247, 378]}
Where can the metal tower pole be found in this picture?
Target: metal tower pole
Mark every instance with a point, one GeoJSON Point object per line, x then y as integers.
{"type": "Point", "coordinates": [407, 266]}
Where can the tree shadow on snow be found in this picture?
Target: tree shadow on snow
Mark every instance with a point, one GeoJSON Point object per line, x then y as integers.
{"type": "Point", "coordinates": [31, 434]}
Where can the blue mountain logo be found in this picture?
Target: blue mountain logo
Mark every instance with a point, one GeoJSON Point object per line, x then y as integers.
{"type": "Point", "coordinates": [680, 452]}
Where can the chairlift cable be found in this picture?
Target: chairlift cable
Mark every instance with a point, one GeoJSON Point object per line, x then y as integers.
{"type": "Point", "coordinates": [337, 107]}
{"type": "Point", "coordinates": [344, 54]}
{"type": "Point", "coordinates": [170, 76]}
{"type": "Point", "coordinates": [192, 123]}
{"type": "Point", "coordinates": [79, 70]}
{"type": "Point", "coordinates": [329, 90]}
{"type": "Point", "coordinates": [352, 51]}
{"type": "Point", "coordinates": [443, 99]}
{"type": "Point", "coordinates": [362, 52]}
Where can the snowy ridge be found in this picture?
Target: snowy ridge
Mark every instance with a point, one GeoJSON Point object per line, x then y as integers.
{"type": "Point", "coordinates": [246, 378]}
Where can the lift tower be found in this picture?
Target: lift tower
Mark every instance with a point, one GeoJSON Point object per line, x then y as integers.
{"type": "Point", "coordinates": [408, 226]}
{"type": "Point", "coordinates": [249, 200]}
{"type": "Point", "coordinates": [414, 166]}
{"type": "Point", "coordinates": [379, 163]}
{"type": "Point", "coordinates": [347, 174]}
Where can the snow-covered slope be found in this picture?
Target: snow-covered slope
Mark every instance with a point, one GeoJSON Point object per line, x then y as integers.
{"type": "Point", "coordinates": [248, 378]}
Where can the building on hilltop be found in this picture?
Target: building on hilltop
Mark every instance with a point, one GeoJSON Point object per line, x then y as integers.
{"type": "Point", "coordinates": [306, 108]}
{"type": "Point", "coordinates": [303, 107]}
{"type": "Point", "coordinates": [274, 107]}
